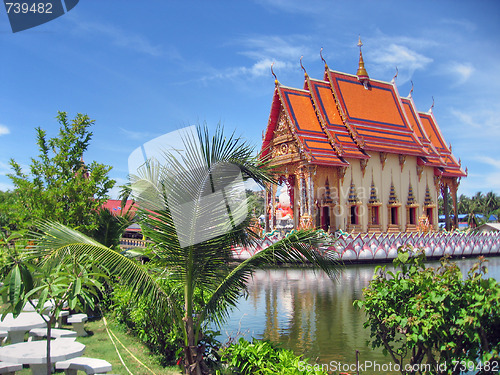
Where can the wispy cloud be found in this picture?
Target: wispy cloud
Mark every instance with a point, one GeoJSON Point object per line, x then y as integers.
{"type": "Point", "coordinates": [488, 160]}
{"type": "Point", "coordinates": [4, 130]}
{"type": "Point", "coordinates": [461, 71]}
{"type": "Point", "coordinates": [122, 38]}
{"type": "Point", "coordinates": [295, 6]}
{"type": "Point", "coordinates": [4, 168]}
{"type": "Point", "coordinates": [487, 120]}
{"type": "Point", "coordinates": [4, 186]}
{"type": "Point", "coordinates": [406, 59]}
{"type": "Point", "coordinates": [262, 51]}
{"type": "Point", "coordinates": [137, 135]}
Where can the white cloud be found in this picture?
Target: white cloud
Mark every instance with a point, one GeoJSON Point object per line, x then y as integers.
{"type": "Point", "coordinates": [488, 160]}
{"type": "Point", "coordinates": [465, 118]}
{"type": "Point", "coordinates": [4, 130]}
{"type": "Point", "coordinates": [296, 6]}
{"type": "Point", "coordinates": [4, 168]}
{"type": "Point", "coordinates": [264, 50]}
{"type": "Point", "coordinates": [404, 58]}
{"type": "Point", "coordinates": [461, 71]}
{"type": "Point", "coordinates": [487, 120]}
{"type": "Point", "coordinates": [121, 38]}
{"type": "Point", "coordinates": [5, 187]}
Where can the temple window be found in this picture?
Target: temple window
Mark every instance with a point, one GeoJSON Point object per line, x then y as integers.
{"type": "Point", "coordinates": [429, 207]}
{"type": "Point", "coordinates": [411, 211]}
{"type": "Point", "coordinates": [393, 211]}
{"type": "Point", "coordinates": [430, 215]}
{"type": "Point", "coordinates": [394, 216]}
{"type": "Point", "coordinates": [353, 203]}
{"type": "Point", "coordinates": [412, 215]}
{"type": "Point", "coordinates": [374, 210]}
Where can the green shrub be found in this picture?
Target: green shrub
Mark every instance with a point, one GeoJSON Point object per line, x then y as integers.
{"type": "Point", "coordinates": [152, 327]}
{"type": "Point", "coordinates": [261, 357]}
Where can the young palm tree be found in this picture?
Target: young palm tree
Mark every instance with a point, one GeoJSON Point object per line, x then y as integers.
{"type": "Point", "coordinates": [194, 210]}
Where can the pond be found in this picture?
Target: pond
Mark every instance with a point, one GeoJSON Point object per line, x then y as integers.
{"type": "Point", "coordinates": [313, 315]}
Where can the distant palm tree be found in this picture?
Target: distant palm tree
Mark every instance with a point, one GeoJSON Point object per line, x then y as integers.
{"type": "Point", "coordinates": [197, 254]}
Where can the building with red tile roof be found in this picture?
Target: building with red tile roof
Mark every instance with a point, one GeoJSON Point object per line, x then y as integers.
{"type": "Point", "coordinates": [357, 156]}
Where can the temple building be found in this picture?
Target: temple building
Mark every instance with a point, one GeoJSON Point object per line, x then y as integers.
{"type": "Point", "coordinates": [355, 155]}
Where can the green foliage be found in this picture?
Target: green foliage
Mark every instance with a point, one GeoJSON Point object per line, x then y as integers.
{"type": "Point", "coordinates": [419, 314]}
{"type": "Point", "coordinates": [202, 284]}
{"type": "Point", "coordinates": [110, 227]}
{"type": "Point", "coordinates": [59, 185]}
{"type": "Point", "coordinates": [155, 328]}
{"type": "Point", "coordinates": [10, 216]}
{"type": "Point", "coordinates": [262, 357]}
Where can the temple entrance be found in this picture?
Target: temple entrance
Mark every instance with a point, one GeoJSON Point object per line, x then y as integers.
{"type": "Point", "coordinates": [325, 219]}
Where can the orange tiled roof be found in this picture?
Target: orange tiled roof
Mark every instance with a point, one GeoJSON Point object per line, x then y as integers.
{"type": "Point", "coordinates": [433, 158]}
{"type": "Point", "coordinates": [339, 118]}
{"type": "Point", "coordinates": [300, 111]}
{"type": "Point", "coordinates": [376, 114]}
{"type": "Point", "coordinates": [452, 167]}
{"type": "Point", "coordinates": [328, 112]}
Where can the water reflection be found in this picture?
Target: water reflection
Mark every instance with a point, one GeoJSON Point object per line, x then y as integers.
{"type": "Point", "coordinates": [313, 315]}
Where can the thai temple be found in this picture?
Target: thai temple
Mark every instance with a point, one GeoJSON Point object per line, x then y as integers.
{"type": "Point", "coordinates": [352, 154]}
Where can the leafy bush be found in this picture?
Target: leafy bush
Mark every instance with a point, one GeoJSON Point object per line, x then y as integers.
{"type": "Point", "coordinates": [433, 317]}
{"type": "Point", "coordinates": [261, 357]}
{"type": "Point", "coordinates": [154, 328]}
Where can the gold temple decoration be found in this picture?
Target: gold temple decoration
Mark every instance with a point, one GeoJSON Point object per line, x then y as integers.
{"type": "Point", "coordinates": [402, 161]}
{"type": "Point", "coordinates": [363, 163]}
{"type": "Point", "coordinates": [383, 158]}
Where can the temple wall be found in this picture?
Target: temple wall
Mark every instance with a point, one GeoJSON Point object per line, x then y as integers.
{"type": "Point", "coordinates": [382, 177]}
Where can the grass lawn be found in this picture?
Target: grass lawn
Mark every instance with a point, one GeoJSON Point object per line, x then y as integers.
{"type": "Point", "coordinates": [99, 345]}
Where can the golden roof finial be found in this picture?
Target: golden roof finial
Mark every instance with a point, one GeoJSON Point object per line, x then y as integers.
{"type": "Point", "coordinates": [272, 72]}
{"type": "Point", "coordinates": [432, 106]}
{"type": "Point", "coordinates": [362, 73]}
{"type": "Point", "coordinates": [302, 66]}
{"type": "Point", "coordinates": [321, 55]}
{"type": "Point", "coordinates": [395, 76]}
{"type": "Point", "coordinates": [411, 89]}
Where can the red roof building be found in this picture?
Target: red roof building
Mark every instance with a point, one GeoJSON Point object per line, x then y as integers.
{"type": "Point", "coordinates": [381, 162]}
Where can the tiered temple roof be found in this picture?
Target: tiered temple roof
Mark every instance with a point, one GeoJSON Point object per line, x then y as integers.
{"type": "Point", "coordinates": [346, 116]}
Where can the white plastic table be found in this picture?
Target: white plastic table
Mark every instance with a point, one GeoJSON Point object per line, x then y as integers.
{"type": "Point", "coordinates": [19, 326]}
{"type": "Point", "coordinates": [34, 353]}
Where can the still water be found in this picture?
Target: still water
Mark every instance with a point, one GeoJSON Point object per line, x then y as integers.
{"type": "Point", "coordinates": [313, 315]}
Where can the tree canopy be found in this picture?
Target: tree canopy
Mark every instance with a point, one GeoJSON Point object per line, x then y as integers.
{"type": "Point", "coordinates": [433, 320]}
{"type": "Point", "coordinates": [59, 186]}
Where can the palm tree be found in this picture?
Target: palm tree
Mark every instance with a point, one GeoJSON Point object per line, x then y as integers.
{"type": "Point", "coordinates": [192, 234]}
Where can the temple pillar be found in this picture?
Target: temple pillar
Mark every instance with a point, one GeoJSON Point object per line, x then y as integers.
{"type": "Point", "coordinates": [453, 190]}
{"type": "Point", "coordinates": [444, 193]}
{"type": "Point", "coordinates": [267, 208]}
{"type": "Point", "coordinates": [302, 192]}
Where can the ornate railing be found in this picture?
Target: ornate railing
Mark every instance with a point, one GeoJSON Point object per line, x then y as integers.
{"type": "Point", "coordinates": [383, 247]}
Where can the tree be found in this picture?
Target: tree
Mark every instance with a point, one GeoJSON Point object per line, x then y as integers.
{"type": "Point", "coordinates": [110, 227]}
{"type": "Point", "coordinates": [36, 282]}
{"type": "Point", "coordinates": [199, 270]}
{"type": "Point", "coordinates": [10, 218]}
{"type": "Point", "coordinates": [432, 319]}
{"type": "Point", "coordinates": [59, 185]}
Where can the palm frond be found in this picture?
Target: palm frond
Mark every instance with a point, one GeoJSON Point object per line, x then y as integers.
{"type": "Point", "coordinates": [55, 241]}
{"type": "Point", "coordinates": [300, 247]}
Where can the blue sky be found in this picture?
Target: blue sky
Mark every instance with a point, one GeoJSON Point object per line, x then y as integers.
{"type": "Point", "coordinates": [142, 69]}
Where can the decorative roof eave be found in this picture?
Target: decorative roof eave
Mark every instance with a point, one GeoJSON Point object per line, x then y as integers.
{"type": "Point", "coordinates": [437, 129]}
{"type": "Point", "coordinates": [271, 124]}
{"type": "Point", "coordinates": [346, 151]}
{"type": "Point", "coordinates": [360, 142]}
{"type": "Point", "coordinates": [303, 151]}
{"type": "Point", "coordinates": [403, 112]}
{"type": "Point", "coordinates": [332, 138]}
{"type": "Point", "coordinates": [451, 168]}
